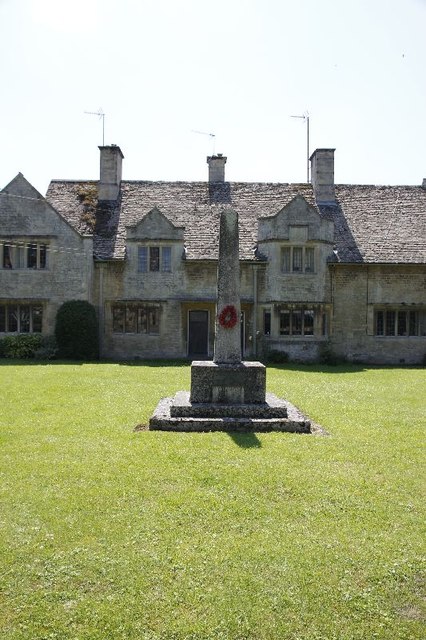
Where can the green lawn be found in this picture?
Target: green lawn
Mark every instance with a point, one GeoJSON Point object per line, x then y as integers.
{"type": "Point", "coordinates": [107, 533]}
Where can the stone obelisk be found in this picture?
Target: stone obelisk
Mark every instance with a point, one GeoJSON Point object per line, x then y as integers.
{"type": "Point", "coordinates": [227, 379]}
{"type": "Point", "coordinates": [227, 343]}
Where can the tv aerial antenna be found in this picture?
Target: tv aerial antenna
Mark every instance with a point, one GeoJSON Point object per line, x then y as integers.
{"type": "Point", "coordinates": [305, 118]}
{"type": "Point", "coordinates": [101, 115]}
{"type": "Point", "coordinates": [211, 135]}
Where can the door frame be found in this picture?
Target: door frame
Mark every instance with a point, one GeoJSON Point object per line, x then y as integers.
{"type": "Point", "coordinates": [188, 324]}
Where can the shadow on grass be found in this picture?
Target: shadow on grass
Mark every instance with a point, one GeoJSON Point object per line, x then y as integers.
{"type": "Point", "coordinates": [184, 362]}
{"type": "Point", "coordinates": [27, 362]}
{"type": "Point", "coordinates": [245, 440]}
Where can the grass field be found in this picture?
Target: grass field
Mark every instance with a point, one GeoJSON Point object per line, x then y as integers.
{"type": "Point", "coordinates": [107, 533]}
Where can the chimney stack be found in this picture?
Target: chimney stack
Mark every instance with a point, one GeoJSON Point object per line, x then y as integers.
{"type": "Point", "coordinates": [216, 168]}
{"type": "Point", "coordinates": [322, 175]}
{"type": "Point", "coordinates": [110, 172]}
{"type": "Point", "coordinates": [424, 183]}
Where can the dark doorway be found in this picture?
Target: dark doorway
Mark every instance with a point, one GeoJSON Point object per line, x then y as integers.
{"type": "Point", "coordinates": [198, 333]}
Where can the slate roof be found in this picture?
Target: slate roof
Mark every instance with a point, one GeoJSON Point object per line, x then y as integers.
{"type": "Point", "coordinates": [373, 224]}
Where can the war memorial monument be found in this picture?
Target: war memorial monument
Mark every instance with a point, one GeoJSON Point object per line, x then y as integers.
{"type": "Point", "coordinates": [228, 394]}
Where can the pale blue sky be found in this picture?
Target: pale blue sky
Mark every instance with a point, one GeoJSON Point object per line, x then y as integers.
{"type": "Point", "coordinates": [160, 69]}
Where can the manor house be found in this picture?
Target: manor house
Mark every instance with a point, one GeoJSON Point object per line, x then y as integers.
{"type": "Point", "coordinates": [320, 263]}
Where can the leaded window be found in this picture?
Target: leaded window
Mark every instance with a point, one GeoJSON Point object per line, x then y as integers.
{"type": "Point", "coordinates": [136, 318]}
{"type": "Point", "coordinates": [20, 318]}
{"type": "Point", "coordinates": [154, 258]}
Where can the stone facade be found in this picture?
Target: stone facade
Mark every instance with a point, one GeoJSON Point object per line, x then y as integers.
{"type": "Point", "coordinates": [320, 264]}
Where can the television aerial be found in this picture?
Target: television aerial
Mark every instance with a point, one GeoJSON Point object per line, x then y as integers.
{"type": "Point", "coordinates": [100, 114]}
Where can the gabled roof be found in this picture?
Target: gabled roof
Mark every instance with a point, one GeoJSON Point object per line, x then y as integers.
{"type": "Point", "coordinates": [384, 224]}
{"type": "Point", "coordinates": [20, 186]}
{"type": "Point", "coordinates": [373, 224]}
{"type": "Point", "coordinates": [192, 205]}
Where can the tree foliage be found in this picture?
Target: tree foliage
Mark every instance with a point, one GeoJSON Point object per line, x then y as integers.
{"type": "Point", "coordinates": [76, 331]}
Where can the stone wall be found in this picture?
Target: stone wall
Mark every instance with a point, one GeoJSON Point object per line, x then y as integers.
{"type": "Point", "coordinates": [26, 218]}
{"type": "Point", "coordinates": [358, 291]}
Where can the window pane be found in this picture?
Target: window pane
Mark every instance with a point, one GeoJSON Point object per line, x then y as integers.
{"type": "Point", "coordinates": [390, 323]}
{"type": "Point", "coordinates": [153, 318]}
{"type": "Point", "coordinates": [309, 260]}
{"type": "Point", "coordinates": [402, 323]}
{"type": "Point", "coordinates": [285, 323]}
{"type": "Point", "coordinates": [308, 323]}
{"type": "Point", "coordinates": [43, 256]}
{"type": "Point", "coordinates": [267, 323]}
{"type": "Point", "coordinates": [7, 257]}
{"type": "Point", "coordinates": [154, 258]}
{"type": "Point", "coordinates": [32, 256]}
{"type": "Point", "coordinates": [421, 323]}
{"type": "Point", "coordinates": [285, 259]}
{"type": "Point", "coordinates": [297, 323]}
{"type": "Point", "coordinates": [297, 258]}
{"type": "Point", "coordinates": [37, 317]}
{"type": "Point", "coordinates": [20, 256]}
{"type": "Point", "coordinates": [413, 323]}
{"type": "Point", "coordinates": [166, 259]}
{"type": "Point", "coordinates": [118, 319]}
{"type": "Point", "coordinates": [142, 320]}
{"type": "Point", "coordinates": [2, 317]}
{"type": "Point", "coordinates": [379, 323]}
{"type": "Point", "coordinates": [130, 319]}
{"type": "Point", "coordinates": [142, 259]}
{"type": "Point", "coordinates": [24, 326]}
{"type": "Point", "coordinates": [12, 317]}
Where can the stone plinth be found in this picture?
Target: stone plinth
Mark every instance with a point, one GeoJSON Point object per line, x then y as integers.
{"type": "Point", "coordinates": [238, 383]}
{"type": "Point", "coordinates": [180, 414]}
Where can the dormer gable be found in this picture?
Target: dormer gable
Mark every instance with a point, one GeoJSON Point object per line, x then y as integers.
{"type": "Point", "coordinates": [20, 186]}
{"type": "Point", "coordinates": [155, 226]}
{"type": "Point", "coordinates": [297, 220]}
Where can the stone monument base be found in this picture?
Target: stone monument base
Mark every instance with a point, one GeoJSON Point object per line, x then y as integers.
{"type": "Point", "coordinates": [237, 383]}
{"type": "Point", "coordinates": [228, 397]}
{"type": "Point", "coordinates": [181, 414]}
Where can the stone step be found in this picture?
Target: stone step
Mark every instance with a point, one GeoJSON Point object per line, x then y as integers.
{"type": "Point", "coordinates": [182, 407]}
{"type": "Point", "coordinates": [162, 420]}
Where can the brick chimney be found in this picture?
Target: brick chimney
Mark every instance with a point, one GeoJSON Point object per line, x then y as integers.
{"type": "Point", "coordinates": [424, 183]}
{"type": "Point", "coordinates": [216, 168]}
{"type": "Point", "coordinates": [322, 175]}
{"type": "Point", "coordinates": [110, 173]}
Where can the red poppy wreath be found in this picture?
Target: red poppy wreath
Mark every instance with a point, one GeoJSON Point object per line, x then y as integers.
{"type": "Point", "coordinates": [228, 317]}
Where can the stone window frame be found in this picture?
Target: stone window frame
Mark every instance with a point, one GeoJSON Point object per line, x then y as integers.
{"type": "Point", "coordinates": [298, 259]}
{"type": "Point", "coordinates": [141, 318]}
{"type": "Point", "coordinates": [21, 317]}
{"type": "Point", "coordinates": [24, 254]}
{"type": "Point", "coordinates": [154, 258]}
{"type": "Point", "coordinates": [298, 325]}
{"type": "Point", "coordinates": [399, 322]}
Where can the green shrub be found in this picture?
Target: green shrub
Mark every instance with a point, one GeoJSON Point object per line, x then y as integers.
{"type": "Point", "coordinates": [327, 355]}
{"type": "Point", "coordinates": [76, 331]}
{"type": "Point", "coordinates": [277, 357]}
{"type": "Point", "coordinates": [48, 349]}
{"type": "Point", "coordinates": [22, 345]}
